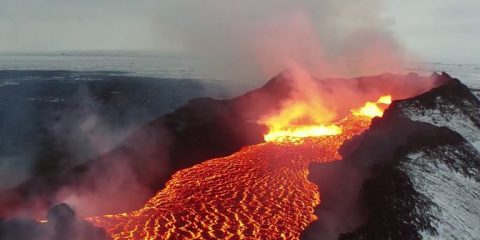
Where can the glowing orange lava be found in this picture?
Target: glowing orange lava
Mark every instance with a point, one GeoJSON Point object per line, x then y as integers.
{"type": "Point", "coordinates": [374, 109]}
{"type": "Point", "coordinates": [259, 192]}
{"type": "Point", "coordinates": [299, 120]}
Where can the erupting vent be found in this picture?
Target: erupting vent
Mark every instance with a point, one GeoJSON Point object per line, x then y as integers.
{"type": "Point", "coordinates": [260, 192]}
{"type": "Point", "coordinates": [299, 120]}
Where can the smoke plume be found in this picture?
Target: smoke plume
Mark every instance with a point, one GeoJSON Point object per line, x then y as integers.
{"type": "Point", "coordinates": [253, 40]}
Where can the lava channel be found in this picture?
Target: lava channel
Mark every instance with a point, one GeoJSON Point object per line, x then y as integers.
{"type": "Point", "coordinates": [259, 192]}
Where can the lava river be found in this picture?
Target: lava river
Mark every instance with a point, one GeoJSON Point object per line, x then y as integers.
{"type": "Point", "coordinates": [259, 192]}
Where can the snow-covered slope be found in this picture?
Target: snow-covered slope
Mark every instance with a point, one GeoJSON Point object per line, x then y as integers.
{"type": "Point", "coordinates": [454, 192]}
{"type": "Point", "coordinates": [452, 106]}
{"type": "Point", "coordinates": [442, 174]}
{"type": "Point", "coordinates": [420, 171]}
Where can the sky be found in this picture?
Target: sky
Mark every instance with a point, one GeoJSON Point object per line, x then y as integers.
{"type": "Point", "coordinates": [434, 30]}
{"type": "Point", "coordinates": [438, 30]}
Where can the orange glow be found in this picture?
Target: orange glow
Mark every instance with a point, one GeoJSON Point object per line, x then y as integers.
{"type": "Point", "coordinates": [385, 99]}
{"type": "Point", "coordinates": [374, 109]}
{"type": "Point", "coordinates": [299, 120]}
{"type": "Point", "coordinates": [259, 192]}
{"type": "Point", "coordinates": [290, 134]}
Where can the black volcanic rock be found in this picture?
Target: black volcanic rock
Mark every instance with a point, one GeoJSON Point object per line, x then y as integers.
{"type": "Point", "coordinates": [125, 177]}
{"type": "Point", "coordinates": [61, 224]}
{"type": "Point", "coordinates": [414, 174]}
{"type": "Point", "coordinates": [21, 229]}
{"type": "Point", "coordinates": [65, 225]}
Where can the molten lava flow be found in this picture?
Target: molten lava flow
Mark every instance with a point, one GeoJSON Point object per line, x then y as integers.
{"type": "Point", "coordinates": [302, 132]}
{"type": "Point", "coordinates": [260, 192]}
{"type": "Point", "coordinates": [374, 109]}
{"type": "Point", "coordinates": [298, 120]}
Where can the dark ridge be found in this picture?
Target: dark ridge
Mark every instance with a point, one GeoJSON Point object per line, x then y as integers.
{"type": "Point", "coordinates": [452, 93]}
{"type": "Point", "coordinates": [258, 102]}
{"type": "Point", "coordinates": [368, 195]}
{"type": "Point", "coordinates": [348, 198]}
{"type": "Point", "coordinates": [394, 209]}
{"type": "Point", "coordinates": [452, 90]}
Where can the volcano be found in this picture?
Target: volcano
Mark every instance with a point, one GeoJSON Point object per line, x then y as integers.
{"type": "Point", "coordinates": [271, 164]}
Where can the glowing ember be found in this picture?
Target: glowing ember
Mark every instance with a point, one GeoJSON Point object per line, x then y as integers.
{"type": "Point", "coordinates": [260, 192]}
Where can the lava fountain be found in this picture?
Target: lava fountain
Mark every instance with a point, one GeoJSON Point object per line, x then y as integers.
{"type": "Point", "coordinates": [259, 192]}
